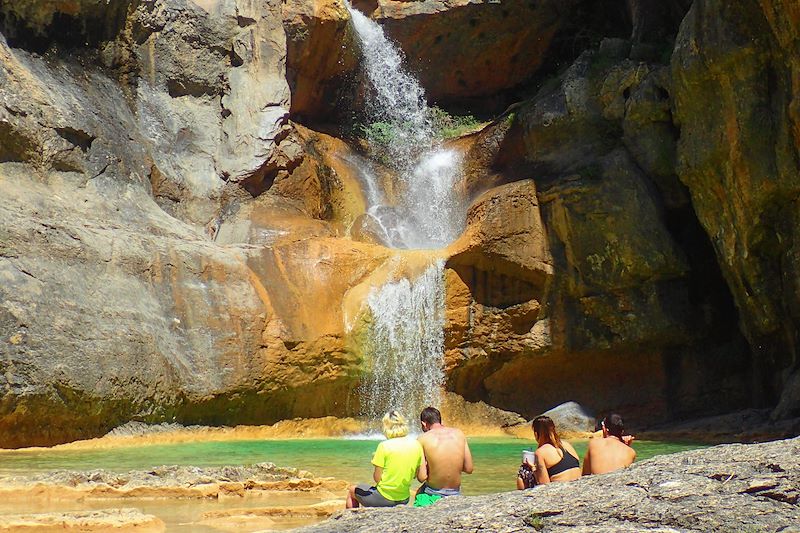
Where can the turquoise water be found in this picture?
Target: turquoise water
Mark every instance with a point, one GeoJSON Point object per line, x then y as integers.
{"type": "Point", "coordinates": [496, 459]}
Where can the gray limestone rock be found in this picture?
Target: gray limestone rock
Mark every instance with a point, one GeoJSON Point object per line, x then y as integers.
{"type": "Point", "coordinates": [571, 417]}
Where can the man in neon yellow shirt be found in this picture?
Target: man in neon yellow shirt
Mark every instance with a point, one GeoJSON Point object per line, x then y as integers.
{"type": "Point", "coordinates": [397, 461]}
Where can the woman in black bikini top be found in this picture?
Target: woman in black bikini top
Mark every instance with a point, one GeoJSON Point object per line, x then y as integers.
{"type": "Point", "coordinates": [567, 461]}
{"type": "Point", "coordinates": [555, 460]}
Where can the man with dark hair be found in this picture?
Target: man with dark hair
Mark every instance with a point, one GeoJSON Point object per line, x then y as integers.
{"type": "Point", "coordinates": [430, 416]}
{"type": "Point", "coordinates": [447, 455]}
{"type": "Point", "coordinates": [611, 452]}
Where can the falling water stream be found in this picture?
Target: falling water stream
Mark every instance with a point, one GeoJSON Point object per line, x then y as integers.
{"type": "Point", "coordinates": [404, 346]}
{"type": "Point", "coordinates": [424, 209]}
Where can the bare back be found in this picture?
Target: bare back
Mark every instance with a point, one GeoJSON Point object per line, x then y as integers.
{"type": "Point", "coordinates": [606, 455]}
{"type": "Point", "coordinates": [447, 455]}
{"type": "Point", "coordinates": [547, 456]}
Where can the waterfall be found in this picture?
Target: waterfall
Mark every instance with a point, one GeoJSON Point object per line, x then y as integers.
{"type": "Point", "coordinates": [421, 208]}
{"type": "Point", "coordinates": [396, 104]}
{"type": "Point", "coordinates": [406, 345]}
{"type": "Point", "coordinates": [426, 209]}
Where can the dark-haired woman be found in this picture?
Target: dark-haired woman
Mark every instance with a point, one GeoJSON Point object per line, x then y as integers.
{"type": "Point", "coordinates": [555, 460]}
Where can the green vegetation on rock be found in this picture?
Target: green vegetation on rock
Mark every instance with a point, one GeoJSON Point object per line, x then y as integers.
{"type": "Point", "coordinates": [449, 126]}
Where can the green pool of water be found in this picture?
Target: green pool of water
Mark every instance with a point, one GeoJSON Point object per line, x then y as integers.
{"type": "Point", "coordinates": [496, 459]}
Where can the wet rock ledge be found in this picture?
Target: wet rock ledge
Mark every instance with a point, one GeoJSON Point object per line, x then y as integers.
{"type": "Point", "coordinates": [167, 482]}
{"type": "Point", "coordinates": [726, 488]}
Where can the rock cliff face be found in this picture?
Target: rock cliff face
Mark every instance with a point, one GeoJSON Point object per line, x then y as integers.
{"type": "Point", "coordinates": [630, 296]}
{"type": "Point", "coordinates": [487, 47]}
{"type": "Point", "coordinates": [736, 99]}
{"type": "Point", "coordinates": [180, 245]}
{"type": "Point", "coordinates": [120, 164]}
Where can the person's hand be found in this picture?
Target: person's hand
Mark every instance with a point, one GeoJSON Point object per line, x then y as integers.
{"type": "Point", "coordinates": [628, 439]}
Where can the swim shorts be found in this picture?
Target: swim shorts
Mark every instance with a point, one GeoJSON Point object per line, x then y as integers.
{"type": "Point", "coordinates": [369, 496]}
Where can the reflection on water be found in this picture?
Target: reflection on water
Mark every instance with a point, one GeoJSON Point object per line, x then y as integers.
{"type": "Point", "coordinates": [496, 463]}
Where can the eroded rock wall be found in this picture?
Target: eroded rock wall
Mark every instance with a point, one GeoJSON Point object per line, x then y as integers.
{"type": "Point", "coordinates": [179, 247]}
{"type": "Point", "coordinates": [123, 154]}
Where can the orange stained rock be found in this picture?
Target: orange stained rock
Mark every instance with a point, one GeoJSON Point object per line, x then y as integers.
{"type": "Point", "coordinates": [285, 429]}
{"type": "Point", "coordinates": [275, 517]}
{"type": "Point", "coordinates": [397, 265]}
{"type": "Point", "coordinates": [310, 280]}
{"type": "Point", "coordinates": [117, 520]}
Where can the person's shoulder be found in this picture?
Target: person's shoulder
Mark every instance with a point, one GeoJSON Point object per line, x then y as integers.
{"type": "Point", "coordinates": [412, 441]}
{"type": "Point", "coordinates": [544, 449]}
{"type": "Point", "coordinates": [407, 442]}
{"type": "Point", "coordinates": [381, 449]}
{"type": "Point", "coordinates": [595, 443]}
{"type": "Point", "coordinates": [457, 432]}
{"type": "Point", "coordinates": [417, 445]}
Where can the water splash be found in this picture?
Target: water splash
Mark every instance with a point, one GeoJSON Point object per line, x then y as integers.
{"type": "Point", "coordinates": [406, 345]}
{"type": "Point", "coordinates": [438, 213]}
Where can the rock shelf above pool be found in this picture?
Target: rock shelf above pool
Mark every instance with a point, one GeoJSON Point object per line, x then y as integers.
{"type": "Point", "coordinates": [245, 498]}
{"type": "Point", "coordinates": [167, 482]}
{"type": "Point", "coordinates": [118, 520]}
{"type": "Point", "coordinates": [731, 487]}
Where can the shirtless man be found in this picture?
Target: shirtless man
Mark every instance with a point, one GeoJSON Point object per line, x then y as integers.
{"type": "Point", "coordinates": [446, 455]}
{"type": "Point", "coordinates": [611, 452]}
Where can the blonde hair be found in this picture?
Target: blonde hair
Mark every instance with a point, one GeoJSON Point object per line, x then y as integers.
{"type": "Point", "coordinates": [394, 425]}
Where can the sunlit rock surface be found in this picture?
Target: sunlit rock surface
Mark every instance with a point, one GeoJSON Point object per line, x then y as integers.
{"type": "Point", "coordinates": [117, 176]}
{"type": "Point", "coordinates": [122, 520]}
{"type": "Point", "coordinates": [321, 56]}
{"type": "Point", "coordinates": [175, 248]}
{"type": "Point", "coordinates": [255, 497]}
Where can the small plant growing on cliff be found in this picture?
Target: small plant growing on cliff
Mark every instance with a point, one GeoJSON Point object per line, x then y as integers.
{"type": "Point", "coordinates": [379, 136]}
{"type": "Point", "coordinates": [448, 126]}
{"type": "Point", "coordinates": [378, 133]}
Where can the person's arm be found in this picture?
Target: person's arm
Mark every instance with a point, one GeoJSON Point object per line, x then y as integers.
{"type": "Point", "coordinates": [520, 483]}
{"type": "Point", "coordinates": [540, 469]}
{"type": "Point", "coordinates": [587, 462]}
{"type": "Point", "coordinates": [422, 471]}
{"type": "Point", "coordinates": [467, 467]}
{"type": "Point", "coordinates": [378, 461]}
